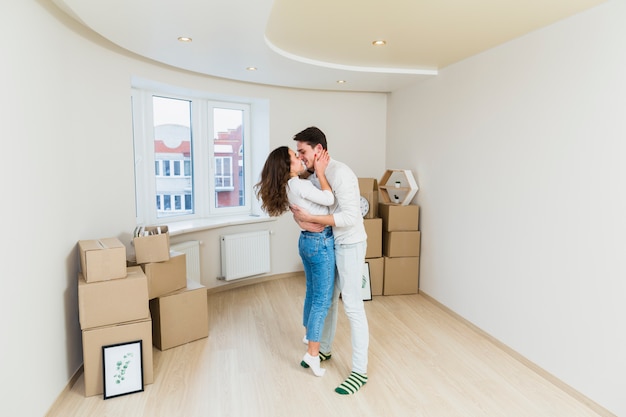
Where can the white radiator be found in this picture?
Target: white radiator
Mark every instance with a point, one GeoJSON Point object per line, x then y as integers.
{"type": "Point", "coordinates": [191, 249]}
{"type": "Point", "coordinates": [245, 254]}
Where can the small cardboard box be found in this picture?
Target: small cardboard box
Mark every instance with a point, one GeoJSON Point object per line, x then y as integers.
{"type": "Point", "coordinates": [399, 218]}
{"type": "Point", "coordinates": [374, 230]}
{"type": "Point", "coordinates": [115, 301]}
{"type": "Point", "coordinates": [368, 188]}
{"type": "Point", "coordinates": [102, 259]}
{"type": "Point", "coordinates": [400, 244]}
{"type": "Point", "coordinates": [167, 276]}
{"type": "Point", "coordinates": [94, 339]}
{"type": "Point", "coordinates": [401, 276]}
{"type": "Point", "coordinates": [377, 273]}
{"type": "Point", "coordinates": [180, 317]}
{"type": "Point", "coordinates": [152, 247]}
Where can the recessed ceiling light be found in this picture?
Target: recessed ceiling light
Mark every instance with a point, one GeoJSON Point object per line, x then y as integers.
{"type": "Point", "coordinates": [251, 68]}
{"type": "Point", "coordinates": [379, 42]}
{"type": "Point", "coordinates": [184, 39]}
{"type": "Point", "coordinates": [341, 81]}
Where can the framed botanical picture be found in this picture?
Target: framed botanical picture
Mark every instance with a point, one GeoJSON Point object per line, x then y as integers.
{"type": "Point", "coordinates": [122, 368]}
{"type": "Point", "coordinates": [366, 284]}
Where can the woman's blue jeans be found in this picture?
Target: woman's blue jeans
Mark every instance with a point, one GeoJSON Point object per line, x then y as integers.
{"type": "Point", "coordinates": [317, 251]}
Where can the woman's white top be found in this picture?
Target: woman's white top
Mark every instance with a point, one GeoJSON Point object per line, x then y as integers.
{"type": "Point", "coordinates": [305, 194]}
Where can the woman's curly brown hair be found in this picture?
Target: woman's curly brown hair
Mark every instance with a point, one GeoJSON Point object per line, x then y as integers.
{"type": "Point", "coordinates": [272, 188]}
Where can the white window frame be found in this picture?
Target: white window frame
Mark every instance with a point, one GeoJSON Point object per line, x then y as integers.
{"type": "Point", "coordinates": [203, 158]}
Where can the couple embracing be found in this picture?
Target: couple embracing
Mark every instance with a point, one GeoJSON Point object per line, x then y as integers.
{"type": "Point", "coordinates": [332, 244]}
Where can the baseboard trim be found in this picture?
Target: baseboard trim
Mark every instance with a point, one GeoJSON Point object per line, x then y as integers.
{"type": "Point", "coordinates": [67, 388]}
{"type": "Point", "coordinates": [597, 408]}
{"type": "Point", "coordinates": [252, 281]}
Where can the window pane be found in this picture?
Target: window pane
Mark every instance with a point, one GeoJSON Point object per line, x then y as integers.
{"type": "Point", "coordinates": [228, 151]}
{"type": "Point", "coordinates": [167, 202]}
{"type": "Point", "coordinates": [172, 146]}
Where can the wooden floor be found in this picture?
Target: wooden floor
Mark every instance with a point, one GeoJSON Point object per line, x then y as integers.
{"type": "Point", "coordinates": [423, 361]}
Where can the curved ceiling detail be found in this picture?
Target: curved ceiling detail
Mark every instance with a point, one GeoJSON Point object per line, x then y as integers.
{"type": "Point", "coordinates": [313, 44]}
{"type": "Point", "coordinates": [343, 67]}
{"type": "Point", "coordinates": [420, 35]}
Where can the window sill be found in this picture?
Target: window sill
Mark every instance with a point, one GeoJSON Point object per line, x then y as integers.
{"type": "Point", "coordinates": [182, 227]}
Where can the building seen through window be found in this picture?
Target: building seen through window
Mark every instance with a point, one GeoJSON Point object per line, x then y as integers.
{"type": "Point", "coordinates": [174, 175]}
{"type": "Point", "coordinates": [172, 170]}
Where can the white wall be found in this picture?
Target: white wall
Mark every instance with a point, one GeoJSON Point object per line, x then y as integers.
{"type": "Point", "coordinates": [519, 153]}
{"type": "Point", "coordinates": [68, 175]}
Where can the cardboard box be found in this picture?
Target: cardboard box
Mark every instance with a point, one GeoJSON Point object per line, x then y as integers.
{"type": "Point", "coordinates": [399, 218]}
{"type": "Point", "coordinates": [401, 276]}
{"type": "Point", "coordinates": [102, 259]}
{"type": "Point", "coordinates": [180, 317]}
{"type": "Point", "coordinates": [94, 339]}
{"type": "Point", "coordinates": [112, 302]}
{"type": "Point", "coordinates": [377, 273]}
{"type": "Point", "coordinates": [167, 276]}
{"type": "Point", "coordinates": [399, 244]}
{"type": "Point", "coordinates": [368, 188]}
{"type": "Point", "coordinates": [154, 247]}
{"type": "Point", "coordinates": [374, 230]}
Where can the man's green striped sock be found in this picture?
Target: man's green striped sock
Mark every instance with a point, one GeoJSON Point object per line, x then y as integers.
{"type": "Point", "coordinates": [352, 384]}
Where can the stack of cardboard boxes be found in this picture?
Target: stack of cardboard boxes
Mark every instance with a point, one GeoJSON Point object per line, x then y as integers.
{"type": "Point", "coordinates": [178, 306]}
{"type": "Point", "coordinates": [148, 299]}
{"type": "Point", "coordinates": [393, 243]}
{"type": "Point", "coordinates": [401, 248]}
{"type": "Point", "coordinates": [112, 307]}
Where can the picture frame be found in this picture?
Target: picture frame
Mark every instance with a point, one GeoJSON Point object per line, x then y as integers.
{"type": "Point", "coordinates": [122, 368]}
{"type": "Point", "coordinates": [366, 283]}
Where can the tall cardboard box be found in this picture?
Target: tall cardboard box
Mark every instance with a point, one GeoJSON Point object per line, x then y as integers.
{"type": "Point", "coordinates": [368, 188]}
{"type": "Point", "coordinates": [401, 275]}
{"type": "Point", "coordinates": [154, 247]}
{"type": "Point", "coordinates": [401, 243]}
{"type": "Point", "coordinates": [102, 259]}
{"type": "Point", "coordinates": [377, 273]}
{"type": "Point", "coordinates": [167, 276]}
{"type": "Point", "coordinates": [95, 338]}
{"type": "Point", "coordinates": [180, 317]}
{"type": "Point", "coordinates": [374, 230]}
{"type": "Point", "coordinates": [115, 301]}
{"type": "Point", "coordinates": [399, 218]}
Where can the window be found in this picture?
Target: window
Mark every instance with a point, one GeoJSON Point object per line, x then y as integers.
{"type": "Point", "coordinates": [192, 157]}
{"type": "Point", "coordinates": [223, 173]}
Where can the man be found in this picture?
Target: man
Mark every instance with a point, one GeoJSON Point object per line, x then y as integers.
{"type": "Point", "coordinates": [350, 245]}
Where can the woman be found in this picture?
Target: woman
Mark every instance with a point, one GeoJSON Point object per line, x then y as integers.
{"type": "Point", "coordinates": [281, 186]}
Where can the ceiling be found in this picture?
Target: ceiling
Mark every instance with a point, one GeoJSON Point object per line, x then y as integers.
{"type": "Point", "coordinates": [313, 44]}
